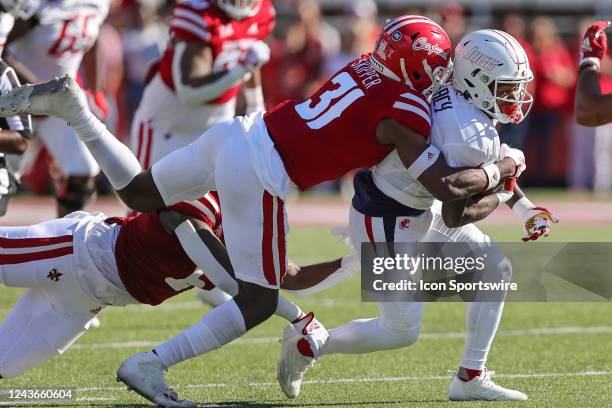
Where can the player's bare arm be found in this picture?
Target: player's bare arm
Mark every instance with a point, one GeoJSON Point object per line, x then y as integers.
{"type": "Point", "coordinates": [469, 210]}
{"type": "Point", "coordinates": [198, 84]}
{"type": "Point", "coordinates": [592, 107]}
{"type": "Point", "coordinates": [443, 182]}
{"type": "Point", "coordinates": [13, 142]}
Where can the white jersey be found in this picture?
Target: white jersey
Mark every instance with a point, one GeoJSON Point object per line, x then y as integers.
{"type": "Point", "coordinates": [65, 30]}
{"type": "Point", "coordinates": [7, 21]}
{"type": "Point", "coordinates": [463, 133]}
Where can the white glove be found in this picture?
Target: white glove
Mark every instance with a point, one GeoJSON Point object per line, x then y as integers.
{"type": "Point", "coordinates": [536, 220]}
{"type": "Point", "coordinates": [256, 55]}
{"type": "Point", "coordinates": [515, 154]}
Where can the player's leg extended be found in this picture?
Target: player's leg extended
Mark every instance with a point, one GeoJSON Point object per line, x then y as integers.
{"type": "Point", "coordinates": [482, 319]}
{"type": "Point", "coordinates": [255, 234]}
{"type": "Point", "coordinates": [38, 328]}
{"type": "Point", "coordinates": [77, 165]}
{"type": "Point", "coordinates": [38, 255]}
{"type": "Point", "coordinates": [398, 324]}
{"type": "Point", "coordinates": [52, 315]}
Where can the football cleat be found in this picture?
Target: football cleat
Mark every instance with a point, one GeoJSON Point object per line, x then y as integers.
{"type": "Point", "coordinates": [60, 97]}
{"type": "Point", "coordinates": [481, 388]}
{"type": "Point", "coordinates": [144, 373]}
{"type": "Point", "coordinates": [302, 343]}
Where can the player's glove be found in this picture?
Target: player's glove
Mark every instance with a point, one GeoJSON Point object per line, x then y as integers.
{"type": "Point", "coordinates": [97, 104]}
{"type": "Point", "coordinates": [255, 56]}
{"type": "Point", "coordinates": [515, 154]}
{"type": "Point", "coordinates": [594, 44]}
{"type": "Point", "coordinates": [536, 220]}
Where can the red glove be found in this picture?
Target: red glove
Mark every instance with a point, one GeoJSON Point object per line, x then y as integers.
{"type": "Point", "coordinates": [98, 104]}
{"type": "Point", "coordinates": [594, 44]}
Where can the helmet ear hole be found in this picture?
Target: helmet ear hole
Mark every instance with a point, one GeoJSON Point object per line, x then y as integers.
{"type": "Point", "coordinates": [416, 75]}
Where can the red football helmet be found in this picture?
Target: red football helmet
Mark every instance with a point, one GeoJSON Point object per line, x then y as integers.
{"type": "Point", "coordinates": [239, 9]}
{"type": "Point", "coordinates": [414, 50]}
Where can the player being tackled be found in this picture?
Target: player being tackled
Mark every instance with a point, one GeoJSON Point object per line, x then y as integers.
{"type": "Point", "coordinates": [252, 160]}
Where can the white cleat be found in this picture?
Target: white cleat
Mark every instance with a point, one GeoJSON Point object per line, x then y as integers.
{"type": "Point", "coordinates": [144, 373]}
{"type": "Point", "coordinates": [481, 388]}
{"type": "Point", "coordinates": [61, 97]}
{"type": "Point", "coordinates": [302, 342]}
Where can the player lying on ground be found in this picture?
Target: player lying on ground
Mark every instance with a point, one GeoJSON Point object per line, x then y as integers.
{"type": "Point", "coordinates": [592, 107]}
{"type": "Point", "coordinates": [251, 161]}
{"type": "Point", "coordinates": [390, 205]}
{"type": "Point", "coordinates": [75, 266]}
{"type": "Point", "coordinates": [54, 41]}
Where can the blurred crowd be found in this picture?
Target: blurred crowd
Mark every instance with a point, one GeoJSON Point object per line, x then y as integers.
{"type": "Point", "coordinates": [308, 45]}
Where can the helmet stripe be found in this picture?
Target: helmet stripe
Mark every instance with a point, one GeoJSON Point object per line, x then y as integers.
{"type": "Point", "coordinates": [398, 19]}
{"type": "Point", "coordinates": [407, 22]}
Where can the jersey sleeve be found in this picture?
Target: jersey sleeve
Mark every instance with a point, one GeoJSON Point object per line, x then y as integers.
{"type": "Point", "coordinates": [189, 22]}
{"type": "Point", "coordinates": [267, 20]}
{"type": "Point", "coordinates": [205, 209]}
{"type": "Point", "coordinates": [408, 108]}
{"type": "Point", "coordinates": [21, 124]}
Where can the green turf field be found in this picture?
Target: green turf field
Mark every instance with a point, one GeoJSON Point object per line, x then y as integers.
{"type": "Point", "coordinates": [558, 353]}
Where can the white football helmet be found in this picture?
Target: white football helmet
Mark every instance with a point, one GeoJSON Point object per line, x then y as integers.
{"type": "Point", "coordinates": [22, 9]}
{"type": "Point", "coordinates": [486, 59]}
{"type": "Point", "coordinates": [239, 9]}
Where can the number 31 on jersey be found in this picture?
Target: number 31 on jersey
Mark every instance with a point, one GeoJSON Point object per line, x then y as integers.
{"type": "Point", "coordinates": [331, 102]}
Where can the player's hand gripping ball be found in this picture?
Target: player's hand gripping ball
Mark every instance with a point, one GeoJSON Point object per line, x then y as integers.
{"type": "Point", "coordinates": [537, 222]}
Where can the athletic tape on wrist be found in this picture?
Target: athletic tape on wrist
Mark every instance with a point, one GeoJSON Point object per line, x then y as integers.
{"type": "Point", "coordinates": [493, 175]}
{"type": "Point", "coordinates": [522, 206]}
{"type": "Point", "coordinates": [589, 61]}
{"type": "Point", "coordinates": [424, 161]}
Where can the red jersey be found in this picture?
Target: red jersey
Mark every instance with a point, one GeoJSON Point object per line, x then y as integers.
{"type": "Point", "coordinates": [201, 22]}
{"type": "Point", "coordinates": [335, 130]}
{"type": "Point", "coordinates": [152, 264]}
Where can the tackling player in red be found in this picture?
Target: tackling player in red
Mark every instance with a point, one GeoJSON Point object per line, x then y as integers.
{"type": "Point", "coordinates": [374, 105]}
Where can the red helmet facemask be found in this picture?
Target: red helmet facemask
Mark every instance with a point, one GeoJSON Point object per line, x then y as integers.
{"type": "Point", "coordinates": [414, 50]}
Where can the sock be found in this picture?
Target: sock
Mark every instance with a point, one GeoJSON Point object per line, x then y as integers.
{"type": "Point", "coordinates": [116, 160]}
{"type": "Point", "coordinates": [466, 374]}
{"type": "Point", "coordinates": [288, 310]}
{"type": "Point", "coordinates": [482, 320]}
{"type": "Point", "coordinates": [222, 325]}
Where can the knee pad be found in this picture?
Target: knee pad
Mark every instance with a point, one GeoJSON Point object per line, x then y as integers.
{"type": "Point", "coordinates": [75, 191]}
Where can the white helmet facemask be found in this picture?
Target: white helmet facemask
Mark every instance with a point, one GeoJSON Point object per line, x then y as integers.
{"type": "Point", "coordinates": [492, 69]}
{"type": "Point", "coordinates": [438, 77]}
{"type": "Point", "coordinates": [239, 9]}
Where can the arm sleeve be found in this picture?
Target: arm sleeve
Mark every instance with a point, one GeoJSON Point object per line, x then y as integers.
{"type": "Point", "coordinates": [189, 24]}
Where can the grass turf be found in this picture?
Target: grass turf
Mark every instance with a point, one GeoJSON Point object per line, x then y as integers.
{"type": "Point", "coordinates": [541, 349]}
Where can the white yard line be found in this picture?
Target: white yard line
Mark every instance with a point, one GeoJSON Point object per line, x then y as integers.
{"type": "Point", "coordinates": [369, 379]}
{"type": "Point", "coordinates": [542, 331]}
